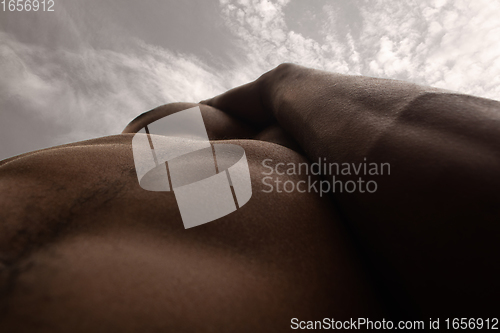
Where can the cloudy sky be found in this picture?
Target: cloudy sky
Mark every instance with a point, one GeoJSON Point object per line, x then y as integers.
{"type": "Point", "coordinates": [88, 68]}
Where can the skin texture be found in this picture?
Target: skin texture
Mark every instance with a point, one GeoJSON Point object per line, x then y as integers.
{"type": "Point", "coordinates": [84, 248]}
{"type": "Point", "coordinates": [430, 234]}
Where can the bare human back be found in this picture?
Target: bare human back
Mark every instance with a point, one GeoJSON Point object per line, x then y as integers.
{"type": "Point", "coordinates": [83, 247]}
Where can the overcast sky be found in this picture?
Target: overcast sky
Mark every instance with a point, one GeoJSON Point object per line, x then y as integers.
{"type": "Point", "coordinates": [88, 68]}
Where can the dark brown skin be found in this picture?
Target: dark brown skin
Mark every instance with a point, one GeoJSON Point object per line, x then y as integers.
{"type": "Point", "coordinates": [94, 252]}
{"type": "Point", "coordinates": [431, 233]}
{"type": "Point", "coordinates": [85, 249]}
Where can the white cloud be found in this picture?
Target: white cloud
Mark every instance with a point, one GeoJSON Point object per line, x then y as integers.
{"type": "Point", "coordinates": [260, 26]}
{"type": "Point", "coordinates": [98, 92]}
{"type": "Point", "coordinates": [453, 45]}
